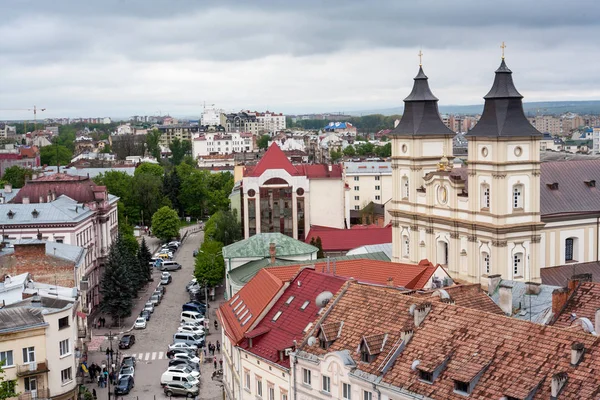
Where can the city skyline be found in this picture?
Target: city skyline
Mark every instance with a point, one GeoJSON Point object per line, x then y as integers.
{"type": "Point", "coordinates": [122, 58]}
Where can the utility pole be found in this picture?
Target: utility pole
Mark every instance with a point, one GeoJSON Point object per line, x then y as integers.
{"type": "Point", "coordinates": [110, 360]}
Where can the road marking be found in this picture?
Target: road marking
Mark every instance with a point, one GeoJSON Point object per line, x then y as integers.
{"type": "Point", "coordinates": [153, 356]}
{"type": "Point", "coordinates": [147, 357]}
{"type": "Point", "coordinates": [141, 356]}
{"type": "Point", "coordinates": [160, 355]}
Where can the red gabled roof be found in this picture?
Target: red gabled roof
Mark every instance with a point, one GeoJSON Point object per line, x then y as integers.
{"type": "Point", "coordinates": [241, 312]}
{"type": "Point", "coordinates": [583, 303]}
{"type": "Point", "coordinates": [270, 337]}
{"type": "Point", "coordinates": [274, 158]}
{"type": "Point", "coordinates": [410, 276]}
{"type": "Point", "coordinates": [80, 188]}
{"type": "Point", "coordinates": [347, 239]}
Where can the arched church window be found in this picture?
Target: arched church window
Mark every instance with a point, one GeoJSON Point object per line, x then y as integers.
{"type": "Point", "coordinates": [517, 197]}
{"type": "Point", "coordinates": [485, 263]}
{"type": "Point", "coordinates": [518, 264]}
{"type": "Point", "coordinates": [405, 188]}
{"type": "Point", "coordinates": [405, 246]}
{"type": "Point", "coordinates": [485, 196]}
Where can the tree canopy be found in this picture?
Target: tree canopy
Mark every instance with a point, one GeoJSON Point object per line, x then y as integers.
{"type": "Point", "coordinates": [152, 143]}
{"type": "Point", "coordinates": [50, 154]}
{"type": "Point", "coordinates": [263, 141]}
{"type": "Point", "coordinates": [16, 175]}
{"type": "Point", "coordinates": [179, 149]}
{"type": "Point", "coordinates": [165, 223]}
{"type": "Point", "coordinates": [116, 287]}
{"type": "Point", "coordinates": [223, 227]}
{"type": "Point", "coordinates": [210, 266]}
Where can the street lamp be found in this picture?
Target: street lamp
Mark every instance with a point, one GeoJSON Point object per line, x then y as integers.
{"type": "Point", "coordinates": [110, 359]}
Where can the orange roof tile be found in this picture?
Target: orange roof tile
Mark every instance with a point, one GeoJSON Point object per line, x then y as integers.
{"type": "Point", "coordinates": [583, 302]}
{"type": "Point", "coordinates": [509, 356]}
{"type": "Point", "coordinates": [467, 295]}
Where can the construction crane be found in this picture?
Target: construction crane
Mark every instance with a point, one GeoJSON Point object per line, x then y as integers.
{"type": "Point", "coordinates": [34, 109]}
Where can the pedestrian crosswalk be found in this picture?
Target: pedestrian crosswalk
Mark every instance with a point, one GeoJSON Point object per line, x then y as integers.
{"type": "Point", "coordinates": [148, 356]}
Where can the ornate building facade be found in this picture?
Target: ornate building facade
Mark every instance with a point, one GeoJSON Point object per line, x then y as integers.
{"type": "Point", "coordinates": [503, 213]}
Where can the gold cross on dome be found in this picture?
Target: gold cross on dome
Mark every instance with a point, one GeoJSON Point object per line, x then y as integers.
{"type": "Point", "coordinates": [503, 46]}
{"type": "Point", "coordinates": [420, 58]}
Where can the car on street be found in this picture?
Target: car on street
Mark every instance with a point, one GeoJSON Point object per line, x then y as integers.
{"type": "Point", "coordinates": [127, 341]}
{"type": "Point", "coordinates": [176, 346]}
{"type": "Point", "coordinates": [169, 377]}
{"type": "Point", "coordinates": [149, 306]}
{"type": "Point", "coordinates": [198, 323]}
{"type": "Point", "coordinates": [191, 352]}
{"type": "Point", "coordinates": [169, 266]}
{"type": "Point", "coordinates": [124, 385]}
{"type": "Point", "coordinates": [126, 370]}
{"type": "Point", "coordinates": [198, 330]}
{"type": "Point", "coordinates": [155, 299]}
{"type": "Point", "coordinates": [177, 362]}
{"type": "Point", "coordinates": [165, 280]}
{"type": "Point", "coordinates": [128, 361]}
{"type": "Point", "coordinates": [191, 316]}
{"type": "Point", "coordinates": [176, 243]}
{"type": "Point", "coordinates": [184, 369]}
{"type": "Point", "coordinates": [193, 307]}
{"type": "Point", "coordinates": [186, 357]}
{"type": "Point", "coordinates": [181, 389]}
{"type": "Point", "coordinates": [140, 323]}
{"type": "Point", "coordinates": [146, 314]}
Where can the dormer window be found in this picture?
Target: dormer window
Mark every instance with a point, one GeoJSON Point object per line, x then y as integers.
{"type": "Point", "coordinates": [10, 214]}
{"type": "Point", "coordinates": [35, 213]}
{"type": "Point", "coordinates": [426, 376]}
{"type": "Point", "coordinates": [590, 183]}
{"type": "Point", "coordinates": [371, 347]}
{"type": "Point", "coordinates": [429, 369]}
{"type": "Point", "coordinates": [328, 333]}
{"type": "Point", "coordinates": [552, 186]}
{"type": "Point", "coordinates": [462, 387]}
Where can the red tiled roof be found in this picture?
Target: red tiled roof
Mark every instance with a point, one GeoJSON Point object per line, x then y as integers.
{"type": "Point", "coordinates": [410, 276]}
{"type": "Point", "coordinates": [469, 295]}
{"type": "Point", "coordinates": [285, 273]}
{"type": "Point", "coordinates": [583, 302]}
{"type": "Point", "coordinates": [513, 356]}
{"type": "Point", "coordinates": [320, 171]}
{"type": "Point", "coordinates": [29, 152]}
{"type": "Point", "coordinates": [239, 314]}
{"type": "Point", "coordinates": [274, 158]}
{"type": "Point", "coordinates": [347, 239]}
{"type": "Point", "coordinates": [273, 336]}
{"type": "Point", "coordinates": [80, 188]}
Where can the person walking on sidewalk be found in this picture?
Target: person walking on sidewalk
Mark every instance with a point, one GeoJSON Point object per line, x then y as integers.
{"type": "Point", "coordinates": [216, 325]}
{"type": "Point", "coordinates": [218, 347]}
{"type": "Point", "coordinates": [221, 363]}
{"type": "Point", "coordinates": [215, 362]}
{"type": "Point", "coordinates": [94, 394]}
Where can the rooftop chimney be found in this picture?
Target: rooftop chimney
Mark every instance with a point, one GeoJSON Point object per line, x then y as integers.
{"type": "Point", "coordinates": [493, 282]}
{"type": "Point", "coordinates": [25, 200]}
{"type": "Point", "coordinates": [390, 281]}
{"type": "Point", "coordinates": [532, 288]}
{"type": "Point", "coordinates": [577, 350]}
{"type": "Point", "coordinates": [558, 382]}
{"type": "Point", "coordinates": [421, 312]}
{"type": "Point", "coordinates": [559, 299]}
{"type": "Point", "coordinates": [505, 299]}
{"type": "Point", "coordinates": [272, 252]}
{"type": "Point", "coordinates": [575, 280]}
{"type": "Point", "coordinates": [8, 188]}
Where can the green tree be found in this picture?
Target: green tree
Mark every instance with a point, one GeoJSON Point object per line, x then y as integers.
{"type": "Point", "coordinates": [152, 143]}
{"type": "Point", "coordinates": [263, 141]}
{"type": "Point", "coordinates": [335, 155]}
{"type": "Point", "coordinates": [115, 287]}
{"type": "Point", "coordinates": [55, 155]}
{"type": "Point", "coordinates": [384, 151]}
{"type": "Point", "coordinates": [223, 227]}
{"type": "Point", "coordinates": [349, 151]}
{"type": "Point", "coordinates": [16, 175]}
{"type": "Point", "coordinates": [193, 191]}
{"type": "Point", "coordinates": [149, 168]}
{"type": "Point", "coordinates": [7, 387]}
{"type": "Point", "coordinates": [210, 266]}
{"type": "Point", "coordinates": [319, 245]}
{"type": "Point", "coordinates": [144, 258]}
{"type": "Point", "coordinates": [171, 188]}
{"type": "Point", "coordinates": [179, 149]}
{"type": "Point", "coordinates": [147, 195]}
{"type": "Point", "coordinates": [165, 223]}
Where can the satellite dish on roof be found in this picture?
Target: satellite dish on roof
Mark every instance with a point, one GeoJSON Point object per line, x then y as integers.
{"type": "Point", "coordinates": [586, 324]}
{"type": "Point", "coordinates": [312, 341]}
{"type": "Point", "coordinates": [323, 298]}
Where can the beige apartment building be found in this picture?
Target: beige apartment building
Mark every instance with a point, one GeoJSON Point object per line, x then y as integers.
{"type": "Point", "coordinates": [369, 181]}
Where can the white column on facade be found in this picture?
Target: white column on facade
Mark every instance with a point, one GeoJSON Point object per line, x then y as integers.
{"type": "Point", "coordinates": [294, 215]}
{"type": "Point", "coordinates": [306, 212]}
{"type": "Point", "coordinates": [257, 210]}
{"type": "Point", "coordinates": [246, 218]}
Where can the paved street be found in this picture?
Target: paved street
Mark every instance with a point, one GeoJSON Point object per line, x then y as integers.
{"type": "Point", "coordinates": [151, 343]}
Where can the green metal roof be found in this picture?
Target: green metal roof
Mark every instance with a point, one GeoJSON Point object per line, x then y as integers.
{"type": "Point", "coordinates": [258, 246]}
{"type": "Point", "coordinates": [243, 274]}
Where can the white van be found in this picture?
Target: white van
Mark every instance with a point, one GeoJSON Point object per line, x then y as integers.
{"type": "Point", "coordinates": [169, 266]}
{"type": "Point", "coordinates": [178, 377]}
{"type": "Point", "coordinates": [192, 316]}
{"type": "Point", "coordinates": [189, 338]}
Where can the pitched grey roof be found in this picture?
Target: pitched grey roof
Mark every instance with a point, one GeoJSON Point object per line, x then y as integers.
{"type": "Point", "coordinates": [42, 303]}
{"type": "Point", "coordinates": [258, 246]}
{"type": "Point", "coordinates": [529, 307]}
{"type": "Point", "coordinates": [385, 248]}
{"type": "Point", "coordinates": [368, 168]}
{"type": "Point", "coordinates": [560, 275]}
{"type": "Point", "coordinates": [573, 195]}
{"type": "Point", "coordinates": [421, 115]}
{"type": "Point", "coordinates": [62, 210]}
{"type": "Point", "coordinates": [15, 319]}
{"type": "Point", "coordinates": [503, 114]}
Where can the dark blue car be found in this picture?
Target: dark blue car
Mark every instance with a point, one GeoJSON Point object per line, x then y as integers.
{"type": "Point", "coordinates": [124, 385]}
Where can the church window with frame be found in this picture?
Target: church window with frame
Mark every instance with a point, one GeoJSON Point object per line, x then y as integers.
{"type": "Point", "coordinates": [485, 263]}
{"type": "Point", "coordinates": [405, 188]}
{"type": "Point", "coordinates": [570, 249]}
{"type": "Point", "coordinates": [517, 197]}
{"type": "Point", "coordinates": [405, 246]}
{"type": "Point", "coordinates": [485, 196]}
{"type": "Point", "coordinates": [518, 264]}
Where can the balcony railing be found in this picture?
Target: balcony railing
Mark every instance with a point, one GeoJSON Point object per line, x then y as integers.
{"type": "Point", "coordinates": [32, 368]}
{"type": "Point", "coordinates": [40, 394]}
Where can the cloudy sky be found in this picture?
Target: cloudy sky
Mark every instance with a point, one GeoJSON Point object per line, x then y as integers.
{"type": "Point", "coordinates": [125, 57]}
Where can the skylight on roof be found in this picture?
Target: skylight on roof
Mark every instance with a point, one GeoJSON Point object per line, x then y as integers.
{"type": "Point", "coordinates": [243, 315]}
{"type": "Point", "coordinates": [237, 296]}
{"type": "Point", "coordinates": [306, 303]}
{"type": "Point", "coordinates": [246, 320]}
{"type": "Point", "coordinates": [289, 300]}
{"type": "Point", "coordinates": [276, 316]}
{"type": "Point", "coordinates": [238, 305]}
{"type": "Point", "coordinates": [241, 309]}
{"type": "Point", "coordinates": [310, 324]}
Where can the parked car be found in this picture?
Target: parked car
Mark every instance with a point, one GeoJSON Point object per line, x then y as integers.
{"type": "Point", "coordinates": [184, 369]}
{"type": "Point", "coordinates": [127, 341]}
{"type": "Point", "coordinates": [126, 370]}
{"type": "Point", "coordinates": [175, 362]}
{"type": "Point", "coordinates": [189, 338]}
{"type": "Point", "coordinates": [198, 330]}
{"type": "Point", "coordinates": [189, 358]}
{"type": "Point", "coordinates": [155, 300]}
{"type": "Point", "coordinates": [197, 323]}
{"type": "Point", "coordinates": [169, 377]}
{"type": "Point", "coordinates": [171, 353]}
{"type": "Point", "coordinates": [176, 346]}
{"type": "Point", "coordinates": [169, 266]}
{"type": "Point", "coordinates": [176, 243]}
{"type": "Point", "coordinates": [146, 314]}
{"type": "Point", "coordinates": [128, 361]}
{"type": "Point", "coordinates": [165, 280]}
{"type": "Point", "coordinates": [124, 385]}
{"type": "Point", "coordinates": [193, 307]}
{"type": "Point", "coordinates": [140, 323]}
{"type": "Point", "coordinates": [181, 389]}
{"type": "Point", "coordinates": [191, 316]}
{"type": "Point", "coordinates": [149, 306]}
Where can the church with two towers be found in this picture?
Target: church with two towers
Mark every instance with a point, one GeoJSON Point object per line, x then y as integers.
{"type": "Point", "coordinates": [504, 212]}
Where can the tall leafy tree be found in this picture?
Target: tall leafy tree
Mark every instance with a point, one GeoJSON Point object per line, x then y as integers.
{"type": "Point", "coordinates": [223, 227]}
{"type": "Point", "coordinates": [152, 143]}
{"type": "Point", "coordinates": [210, 266]}
{"type": "Point", "coordinates": [179, 149]}
{"type": "Point", "coordinates": [55, 154]}
{"type": "Point", "coordinates": [7, 387]}
{"type": "Point", "coordinates": [350, 151]}
{"type": "Point", "coordinates": [149, 168]}
{"type": "Point", "coordinates": [144, 257]}
{"type": "Point", "coordinates": [171, 188]}
{"type": "Point", "coordinates": [165, 223]}
{"type": "Point", "coordinates": [115, 287]}
{"type": "Point", "coordinates": [16, 175]}
{"type": "Point", "coordinates": [147, 193]}
{"type": "Point", "coordinates": [263, 141]}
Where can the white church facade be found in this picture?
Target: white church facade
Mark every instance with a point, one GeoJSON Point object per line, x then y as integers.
{"type": "Point", "coordinates": [503, 213]}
